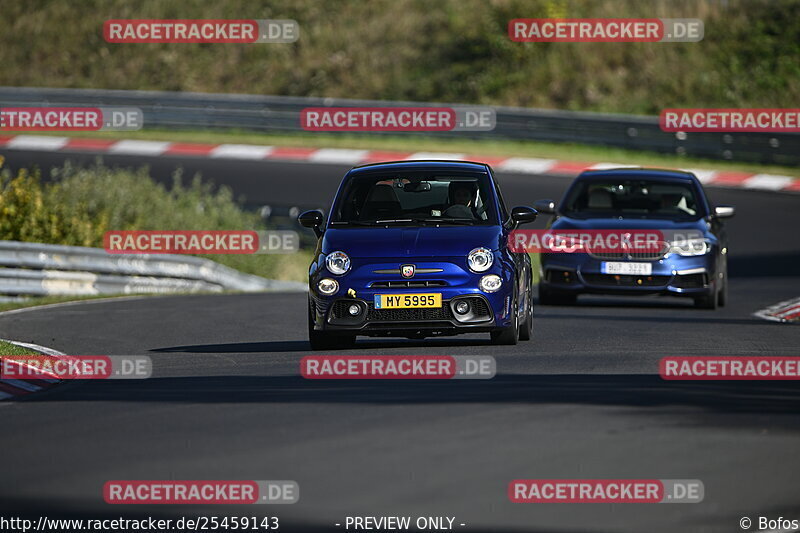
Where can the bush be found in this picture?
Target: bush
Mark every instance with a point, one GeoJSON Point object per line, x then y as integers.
{"type": "Point", "coordinates": [80, 204]}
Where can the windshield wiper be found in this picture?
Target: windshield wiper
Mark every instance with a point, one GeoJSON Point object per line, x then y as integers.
{"type": "Point", "coordinates": [354, 223]}
{"type": "Point", "coordinates": [394, 221]}
{"type": "Point", "coordinates": [460, 221]}
{"type": "Point", "coordinates": [372, 222]}
{"type": "Point", "coordinates": [438, 221]}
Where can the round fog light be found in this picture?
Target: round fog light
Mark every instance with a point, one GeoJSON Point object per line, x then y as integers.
{"type": "Point", "coordinates": [328, 286]}
{"type": "Point", "coordinates": [490, 283]}
{"type": "Point", "coordinates": [462, 307]}
{"type": "Point", "coordinates": [354, 310]}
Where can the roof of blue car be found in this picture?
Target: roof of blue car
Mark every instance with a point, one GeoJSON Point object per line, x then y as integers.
{"type": "Point", "coordinates": [434, 164]}
{"type": "Point", "coordinates": [650, 173]}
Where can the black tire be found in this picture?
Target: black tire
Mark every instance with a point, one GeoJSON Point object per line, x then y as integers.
{"type": "Point", "coordinates": [547, 297]}
{"type": "Point", "coordinates": [321, 340]}
{"type": "Point", "coordinates": [526, 328]}
{"type": "Point", "coordinates": [707, 302]}
{"type": "Point", "coordinates": [510, 335]}
{"type": "Point", "coordinates": [722, 296]}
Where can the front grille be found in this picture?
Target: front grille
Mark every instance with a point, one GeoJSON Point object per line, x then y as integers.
{"type": "Point", "coordinates": [615, 280]}
{"type": "Point", "coordinates": [636, 256]}
{"type": "Point", "coordinates": [479, 307]}
{"type": "Point", "coordinates": [647, 256]}
{"type": "Point", "coordinates": [614, 256]}
{"type": "Point", "coordinates": [409, 315]}
{"type": "Point", "coordinates": [339, 309]}
{"type": "Point", "coordinates": [406, 284]}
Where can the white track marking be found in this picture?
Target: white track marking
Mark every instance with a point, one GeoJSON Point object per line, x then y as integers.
{"type": "Point", "coordinates": [608, 166]}
{"type": "Point", "coordinates": [41, 349]}
{"type": "Point", "coordinates": [526, 165]}
{"type": "Point", "coordinates": [21, 384]}
{"type": "Point", "coordinates": [771, 313]}
{"type": "Point", "coordinates": [241, 151]}
{"type": "Point", "coordinates": [436, 156]}
{"type": "Point", "coordinates": [767, 181]}
{"type": "Point", "coordinates": [338, 155]}
{"type": "Point", "coordinates": [139, 147]}
{"type": "Point", "coordinates": [704, 175]}
{"type": "Point", "coordinates": [37, 142]}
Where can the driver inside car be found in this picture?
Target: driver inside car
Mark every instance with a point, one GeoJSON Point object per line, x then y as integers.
{"type": "Point", "coordinates": [461, 201]}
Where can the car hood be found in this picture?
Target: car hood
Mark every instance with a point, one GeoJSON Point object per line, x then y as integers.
{"type": "Point", "coordinates": [427, 241]}
{"type": "Point", "coordinates": [567, 223]}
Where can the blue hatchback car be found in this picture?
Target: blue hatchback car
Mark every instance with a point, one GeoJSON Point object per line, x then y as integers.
{"type": "Point", "coordinates": [669, 201]}
{"type": "Point", "coordinates": [418, 249]}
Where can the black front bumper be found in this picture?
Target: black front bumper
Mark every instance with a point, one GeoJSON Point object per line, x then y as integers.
{"type": "Point", "coordinates": [335, 317]}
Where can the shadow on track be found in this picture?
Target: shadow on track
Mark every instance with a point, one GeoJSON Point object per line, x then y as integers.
{"type": "Point", "coordinates": [363, 343]}
{"type": "Point", "coordinates": [689, 319]}
{"type": "Point", "coordinates": [621, 390]}
{"type": "Point", "coordinates": [627, 302]}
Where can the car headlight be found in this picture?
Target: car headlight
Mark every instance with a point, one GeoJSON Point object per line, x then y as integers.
{"type": "Point", "coordinates": [337, 262]}
{"type": "Point", "coordinates": [328, 286]}
{"type": "Point", "coordinates": [490, 283]}
{"type": "Point", "coordinates": [690, 247]}
{"type": "Point", "coordinates": [480, 259]}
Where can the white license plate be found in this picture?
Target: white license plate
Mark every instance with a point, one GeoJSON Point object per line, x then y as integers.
{"type": "Point", "coordinates": [633, 269]}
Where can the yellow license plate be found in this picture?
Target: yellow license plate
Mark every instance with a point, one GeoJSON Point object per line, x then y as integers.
{"type": "Point", "coordinates": [407, 301]}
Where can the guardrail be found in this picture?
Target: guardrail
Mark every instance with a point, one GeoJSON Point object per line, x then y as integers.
{"type": "Point", "coordinates": [33, 269]}
{"type": "Point", "coordinates": [282, 114]}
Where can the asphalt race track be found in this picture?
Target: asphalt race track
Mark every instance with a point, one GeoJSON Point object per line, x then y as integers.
{"type": "Point", "coordinates": [582, 400]}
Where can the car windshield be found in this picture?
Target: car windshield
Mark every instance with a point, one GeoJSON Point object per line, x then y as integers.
{"type": "Point", "coordinates": [416, 199]}
{"type": "Point", "coordinates": [632, 198]}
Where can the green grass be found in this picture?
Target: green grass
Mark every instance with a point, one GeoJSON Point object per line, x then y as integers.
{"type": "Point", "coordinates": [6, 348]}
{"type": "Point", "coordinates": [536, 263]}
{"type": "Point", "coordinates": [421, 50]}
{"type": "Point", "coordinates": [498, 148]}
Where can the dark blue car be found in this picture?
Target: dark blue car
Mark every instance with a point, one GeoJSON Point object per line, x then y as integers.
{"type": "Point", "coordinates": [418, 249]}
{"type": "Point", "coordinates": [672, 202]}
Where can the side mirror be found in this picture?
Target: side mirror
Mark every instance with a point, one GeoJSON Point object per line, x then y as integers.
{"type": "Point", "coordinates": [312, 219]}
{"type": "Point", "coordinates": [523, 214]}
{"type": "Point", "coordinates": [545, 206]}
{"type": "Point", "coordinates": [724, 211]}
